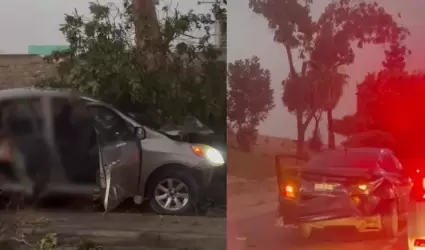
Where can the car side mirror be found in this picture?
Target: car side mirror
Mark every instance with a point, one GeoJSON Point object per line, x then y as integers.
{"type": "Point", "coordinates": [140, 132]}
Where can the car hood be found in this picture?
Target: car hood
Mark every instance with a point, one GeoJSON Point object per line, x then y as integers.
{"type": "Point", "coordinates": [215, 140]}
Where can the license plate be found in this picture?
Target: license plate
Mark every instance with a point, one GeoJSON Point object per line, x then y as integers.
{"type": "Point", "coordinates": [324, 187]}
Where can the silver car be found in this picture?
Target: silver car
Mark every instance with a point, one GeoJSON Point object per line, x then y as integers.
{"type": "Point", "coordinates": [64, 143]}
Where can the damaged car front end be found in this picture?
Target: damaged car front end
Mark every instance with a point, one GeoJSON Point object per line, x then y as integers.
{"type": "Point", "coordinates": [343, 188]}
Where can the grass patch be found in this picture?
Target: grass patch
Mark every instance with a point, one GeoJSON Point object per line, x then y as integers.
{"type": "Point", "coordinates": [255, 166]}
{"type": "Point", "coordinates": [249, 165]}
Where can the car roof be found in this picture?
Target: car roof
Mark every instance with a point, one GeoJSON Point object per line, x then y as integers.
{"type": "Point", "coordinates": [358, 152]}
{"type": "Point", "coordinates": [31, 92]}
{"type": "Point", "coordinates": [16, 93]}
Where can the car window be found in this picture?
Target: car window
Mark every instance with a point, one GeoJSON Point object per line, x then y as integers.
{"type": "Point", "coordinates": [22, 117]}
{"type": "Point", "coordinates": [348, 159]}
{"type": "Point", "coordinates": [110, 127]}
{"type": "Point", "coordinates": [389, 164]}
{"type": "Point", "coordinates": [397, 163]}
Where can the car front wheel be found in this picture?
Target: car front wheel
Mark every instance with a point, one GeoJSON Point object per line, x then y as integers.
{"type": "Point", "coordinates": [174, 193]}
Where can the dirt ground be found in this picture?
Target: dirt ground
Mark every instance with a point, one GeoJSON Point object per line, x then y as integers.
{"type": "Point", "coordinates": [121, 231]}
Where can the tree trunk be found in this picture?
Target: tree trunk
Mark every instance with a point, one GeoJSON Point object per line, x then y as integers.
{"type": "Point", "coordinates": [300, 135]}
{"type": "Point", "coordinates": [331, 134]}
{"type": "Point", "coordinates": [316, 127]}
{"type": "Point", "coordinates": [146, 20]}
{"type": "Point", "coordinates": [147, 28]}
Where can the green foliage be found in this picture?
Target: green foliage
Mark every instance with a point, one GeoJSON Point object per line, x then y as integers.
{"type": "Point", "coordinates": [249, 99]}
{"type": "Point", "coordinates": [346, 126]}
{"type": "Point", "coordinates": [315, 142]}
{"type": "Point", "coordinates": [48, 242]}
{"type": "Point", "coordinates": [178, 78]}
{"type": "Point", "coordinates": [323, 46]}
{"type": "Point", "coordinates": [372, 138]}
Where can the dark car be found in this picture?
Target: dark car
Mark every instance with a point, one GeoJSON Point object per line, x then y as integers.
{"type": "Point", "coordinates": [365, 188]}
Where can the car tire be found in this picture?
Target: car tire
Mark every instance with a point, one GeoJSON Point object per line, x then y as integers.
{"type": "Point", "coordinates": [178, 177]}
{"type": "Point", "coordinates": [305, 231]}
{"type": "Point", "coordinates": [390, 220]}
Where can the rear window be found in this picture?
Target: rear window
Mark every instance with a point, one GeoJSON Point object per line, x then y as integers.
{"type": "Point", "coordinates": [345, 159]}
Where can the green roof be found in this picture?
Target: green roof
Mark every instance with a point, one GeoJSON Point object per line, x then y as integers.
{"type": "Point", "coordinates": [45, 50]}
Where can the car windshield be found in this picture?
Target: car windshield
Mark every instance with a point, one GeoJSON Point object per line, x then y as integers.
{"type": "Point", "coordinates": [345, 159]}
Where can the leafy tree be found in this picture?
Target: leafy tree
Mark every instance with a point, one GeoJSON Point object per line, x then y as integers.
{"type": "Point", "coordinates": [342, 24]}
{"type": "Point", "coordinates": [292, 26]}
{"type": "Point", "coordinates": [315, 141]}
{"type": "Point", "coordinates": [106, 60]}
{"type": "Point", "coordinates": [250, 99]}
{"type": "Point", "coordinates": [346, 126]}
{"type": "Point", "coordinates": [372, 138]}
{"type": "Point", "coordinates": [323, 46]}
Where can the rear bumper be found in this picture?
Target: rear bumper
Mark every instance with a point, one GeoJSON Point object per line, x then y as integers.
{"type": "Point", "coordinates": [362, 224]}
{"type": "Point", "coordinates": [323, 209]}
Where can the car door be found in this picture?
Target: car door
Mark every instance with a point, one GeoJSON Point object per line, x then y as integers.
{"type": "Point", "coordinates": [400, 180]}
{"type": "Point", "coordinates": [119, 156]}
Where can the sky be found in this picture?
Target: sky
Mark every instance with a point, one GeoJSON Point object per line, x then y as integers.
{"type": "Point", "coordinates": [248, 35]}
{"type": "Point", "coordinates": [38, 21]}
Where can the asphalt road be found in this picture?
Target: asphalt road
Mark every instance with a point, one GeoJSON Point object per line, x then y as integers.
{"type": "Point", "coordinates": [118, 230]}
{"type": "Point", "coordinates": [259, 232]}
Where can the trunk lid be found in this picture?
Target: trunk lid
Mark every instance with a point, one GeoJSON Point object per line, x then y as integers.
{"type": "Point", "coordinates": [331, 181]}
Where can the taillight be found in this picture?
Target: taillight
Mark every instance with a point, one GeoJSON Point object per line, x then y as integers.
{"type": "Point", "coordinates": [363, 187]}
{"type": "Point", "coordinates": [423, 182]}
{"type": "Point", "coordinates": [419, 244]}
{"type": "Point", "coordinates": [288, 191]}
{"type": "Point", "coordinates": [368, 187]}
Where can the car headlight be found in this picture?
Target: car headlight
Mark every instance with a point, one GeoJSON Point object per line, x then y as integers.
{"type": "Point", "coordinates": [211, 154]}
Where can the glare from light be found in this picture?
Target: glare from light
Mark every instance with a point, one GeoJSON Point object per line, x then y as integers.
{"type": "Point", "coordinates": [289, 189]}
{"type": "Point", "coordinates": [214, 156]}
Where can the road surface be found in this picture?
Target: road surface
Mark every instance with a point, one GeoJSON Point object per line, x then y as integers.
{"type": "Point", "coordinates": [258, 232]}
{"type": "Point", "coordinates": [121, 231]}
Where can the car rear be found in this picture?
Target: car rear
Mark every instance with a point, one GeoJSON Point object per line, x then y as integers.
{"type": "Point", "coordinates": [334, 185]}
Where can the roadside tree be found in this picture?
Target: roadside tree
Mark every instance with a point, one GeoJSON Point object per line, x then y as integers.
{"type": "Point", "coordinates": [249, 99]}
{"type": "Point", "coordinates": [323, 46]}
{"type": "Point", "coordinates": [176, 73]}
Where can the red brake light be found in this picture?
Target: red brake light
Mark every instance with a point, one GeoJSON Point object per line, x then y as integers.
{"type": "Point", "coordinates": [419, 243]}
{"type": "Point", "coordinates": [288, 191]}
